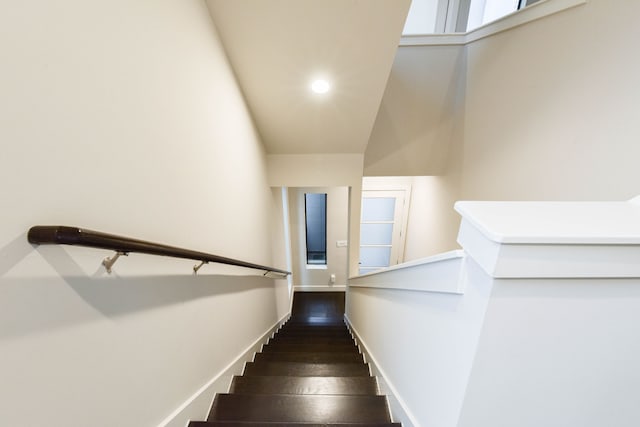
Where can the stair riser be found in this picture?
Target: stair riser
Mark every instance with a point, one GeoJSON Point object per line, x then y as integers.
{"type": "Point", "coordinates": [309, 357]}
{"type": "Point", "coordinates": [318, 327]}
{"type": "Point", "coordinates": [312, 340]}
{"type": "Point", "coordinates": [300, 409]}
{"type": "Point", "coordinates": [296, 334]}
{"type": "Point", "coordinates": [260, 424]}
{"type": "Point", "coordinates": [305, 386]}
{"type": "Point", "coordinates": [329, 348]}
{"type": "Point", "coordinates": [306, 369]}
{"type": "Point", "coordinates": [308, 332]}
{"type": "Point", "coordinates": [317, 321]}
{"type": "Point", "coordinates": [324, 337]}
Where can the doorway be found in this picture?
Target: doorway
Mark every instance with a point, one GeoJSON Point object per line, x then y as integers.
{"type": "Point", "coordinates": [382, 228]}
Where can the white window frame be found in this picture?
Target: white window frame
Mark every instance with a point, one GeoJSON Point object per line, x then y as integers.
{"type": "Point", "coordinates": [530, 13]}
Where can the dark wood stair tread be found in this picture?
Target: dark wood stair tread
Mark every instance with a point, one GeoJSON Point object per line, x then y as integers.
{"type": "Point", "coordinates": [313, 328]}
{"type": "Point", "coordinates": [277, 424]}
{"type": "Point", "coordinates": [293, 325]}
{"type": "Point", "coordinates": [318, 305]}
{"type": "Point", "coordinates": [298, 369]}
{"type": "Point", "coordinates": [313, 340]}
{"type": "Point", "coordinates": [327, 329]}
{"type": "Point", "coordinates": [329, 323]}
{"type": "Point", "coordinates": [358, 385]}
{"type": "Point", "coordinates": [300, 408]}
{"type": "Point", "coordinates": [310, 357]}
{"type": "Point", "coordinates": [299, 326]}
{"type": "Point", "coordinates": [320, 334]}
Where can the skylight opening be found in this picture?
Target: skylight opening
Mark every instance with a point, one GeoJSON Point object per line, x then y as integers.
{"type": "Point", "coordinates": [458, 16]}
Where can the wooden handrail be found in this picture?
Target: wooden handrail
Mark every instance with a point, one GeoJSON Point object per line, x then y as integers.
{"type": "Point", "coordinates": [65, 235]}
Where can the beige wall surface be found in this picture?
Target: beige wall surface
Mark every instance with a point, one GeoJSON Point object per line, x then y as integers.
{"type": "Point", "coordinates": [419, 134]}
{"type": "Point", "coordinates": [552, 108]}
{"type": "Point", "coordinates": [337, 229]}
{"type": "Point", "coordinates": [281, 248]}
{"type": "Point", "coordinates": [413, 131]}
{"type": "Point", "coordinates": [314, 170]}
{"type": "Point", "coordinates": [123, 117]}
{"type": "Point", "coordinates": [323, 170]}
{"type": "Point", "coordinates": [431, 228]}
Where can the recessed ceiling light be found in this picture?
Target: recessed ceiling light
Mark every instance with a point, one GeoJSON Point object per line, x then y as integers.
{"type": "Point", "coordinates": [320, 86]}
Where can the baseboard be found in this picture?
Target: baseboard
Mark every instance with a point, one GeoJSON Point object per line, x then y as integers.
{"type": "Point", "coordinates": [199, 404]}
{"type": "Point", "coordinates": [399, 411]}
{"type": "Point", "coordinates": [321, 288]}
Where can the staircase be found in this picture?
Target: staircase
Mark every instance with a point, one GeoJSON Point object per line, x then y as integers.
{"type": "Point", "coordinates": [311, 373]}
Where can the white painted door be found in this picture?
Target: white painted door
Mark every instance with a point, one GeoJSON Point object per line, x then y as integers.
{"type": "Point", "coordinates": [381, 229]}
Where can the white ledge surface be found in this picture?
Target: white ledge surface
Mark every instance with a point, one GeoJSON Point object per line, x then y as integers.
{"type": "Point", "coordinates": [567, 223]}
{"type": "Point", "coordinates": [441, 273]}
{"type": "Point", "coordinates": [427, 260]}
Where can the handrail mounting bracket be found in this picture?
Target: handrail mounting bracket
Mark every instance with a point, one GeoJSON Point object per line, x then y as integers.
{"type": "Point", "coordinates": [198, 266]}
{"type": "Point", "coordinates": [109, 261]}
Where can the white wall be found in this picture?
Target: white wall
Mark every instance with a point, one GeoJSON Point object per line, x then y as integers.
{"type": "Point", "coordinates": [423, 342]}
{"type": "Point", "coordinates": [514, 334]}
{"type": "Point", "coordinates": [281, 249]}
{"type": "Point", "coordinates": [123, 117]}
{"type": "Point", "coordinates": [559, 344]}
{"type": "Point", "coordinates": [526, 352]}
{"type": "Point", "coordinates": [337, 229]}
{"type": "Point", "coordinates": [557, 353]}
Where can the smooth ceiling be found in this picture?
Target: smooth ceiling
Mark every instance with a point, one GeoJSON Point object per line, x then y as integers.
{"type": "Point", "coordinates": [277, 47]}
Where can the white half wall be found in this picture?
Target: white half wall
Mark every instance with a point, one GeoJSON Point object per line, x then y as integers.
{"type": "Point", "coordinates": [521, 336]}
{"type": "Point", "coordinates": [423, 340]}
{"type": "Point", "coordinates": [559, 345]}
{"type": "Point", "coordinates": [124, 117]}
{"type": "Point", "coordinates": [557, 353]}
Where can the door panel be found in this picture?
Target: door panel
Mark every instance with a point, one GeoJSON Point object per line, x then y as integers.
{"type": "Point", "coordinates": [377, 207]}
{"type": "Point", "coordinates": [381, 237]}
{"type": "Point", "coordinates": [376, 234]}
